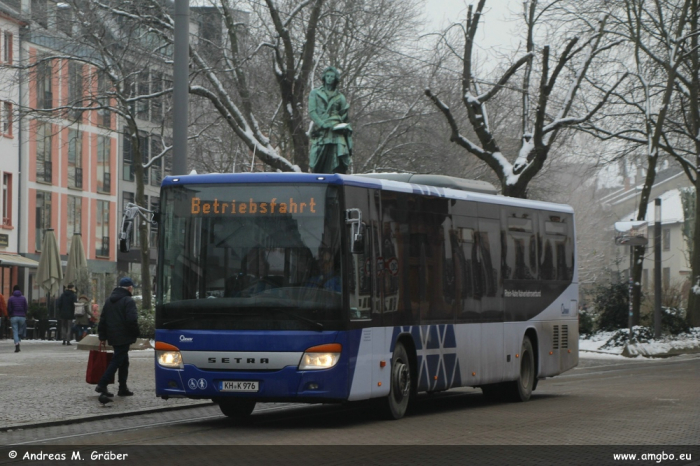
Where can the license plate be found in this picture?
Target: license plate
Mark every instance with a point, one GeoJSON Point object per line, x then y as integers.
{"type": "Point", "coordinates": [239, 386]}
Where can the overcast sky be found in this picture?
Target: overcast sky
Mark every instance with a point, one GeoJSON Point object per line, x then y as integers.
{"type": "Point", "coordinates": [498, 24]}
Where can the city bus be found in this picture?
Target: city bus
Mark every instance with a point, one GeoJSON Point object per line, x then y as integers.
{"type": "Point", "coordinates": [310, 288]}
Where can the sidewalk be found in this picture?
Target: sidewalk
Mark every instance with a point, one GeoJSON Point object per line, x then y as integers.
{"type": "Point", "coordinates": [45, 383]}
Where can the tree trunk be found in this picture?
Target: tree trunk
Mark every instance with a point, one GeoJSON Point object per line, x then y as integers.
{"type": "Point", "coordinates": [693, 310]}
{"type": "Point", "coordinates": [639, 252]}
{"type": "Point", "coordinates": [143, 227]}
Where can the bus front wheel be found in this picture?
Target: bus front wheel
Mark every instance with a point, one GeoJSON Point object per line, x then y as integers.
{"type": "Point", "coordinates": [237, 409]}
{"type": "Point", "coordinates": [400, 391]}
{"type": "Point", "coordinates": [521, 389]}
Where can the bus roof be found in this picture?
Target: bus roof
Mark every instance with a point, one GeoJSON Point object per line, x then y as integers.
{"type": "Point", "coordinates": [441, 186]}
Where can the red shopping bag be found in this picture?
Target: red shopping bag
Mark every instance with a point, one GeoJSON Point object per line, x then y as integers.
{"type": "Point", "coordinates": [98, 361]}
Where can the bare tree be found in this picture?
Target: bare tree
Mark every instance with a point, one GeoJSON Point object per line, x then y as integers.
{"type": "Point", "coordinates": [658, 108]}
{"type": "Point", "coordinates": [109, 53]}
{"type": "Point", "coordinates": [539, 130]}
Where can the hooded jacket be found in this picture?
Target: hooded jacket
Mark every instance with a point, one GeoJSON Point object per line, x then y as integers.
{"type": "Point", "coordinates": [119, 319]}
{"type": "Point", "coordinates": [17, 305]}
{"type": "Point", "coordinates": [66, 307]}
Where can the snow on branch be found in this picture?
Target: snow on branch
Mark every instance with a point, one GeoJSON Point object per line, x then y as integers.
{"type": "Point", "coordinates": [561, 122]}
{"type": "Point", "coordinates": [456, 136]}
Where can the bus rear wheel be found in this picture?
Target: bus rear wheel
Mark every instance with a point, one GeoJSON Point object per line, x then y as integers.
{"type": "Point", "coordinates": [237, 409]}
{"type": "Point", "coordinates": [400, 391]}
{"type": "Point", "coordinates": [521, 389]}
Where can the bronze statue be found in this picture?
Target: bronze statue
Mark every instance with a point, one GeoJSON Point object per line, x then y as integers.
{"type": "Point", "coordinates": [331, 134]}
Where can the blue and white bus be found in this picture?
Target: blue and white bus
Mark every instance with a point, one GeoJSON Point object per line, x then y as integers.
{"type": "Point", "coordinates": [284, 287]}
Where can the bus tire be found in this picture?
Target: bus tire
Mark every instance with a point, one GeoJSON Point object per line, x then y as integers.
{"type": "Point", "coordinates": [400, 389]}
{"type": "Point", "coordinates": [521, 389]}
{"type": "Point", "coordinates": [237, 408]}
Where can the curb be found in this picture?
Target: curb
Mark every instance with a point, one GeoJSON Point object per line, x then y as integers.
{"type": "Point", "coordinates": [99, 417]}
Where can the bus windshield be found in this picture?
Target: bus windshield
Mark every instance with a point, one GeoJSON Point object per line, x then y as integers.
{"type": "Point", "coordinates": [249, 257]}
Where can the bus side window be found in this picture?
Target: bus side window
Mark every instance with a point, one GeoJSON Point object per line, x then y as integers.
{"type": "Point", "coordinates": [556, 262]}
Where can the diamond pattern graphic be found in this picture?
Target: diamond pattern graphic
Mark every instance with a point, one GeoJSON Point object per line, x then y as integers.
{"type": "Point", "coordinates": [437, 359]}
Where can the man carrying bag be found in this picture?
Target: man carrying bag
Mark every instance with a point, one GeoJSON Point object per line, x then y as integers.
{"type": "Point", "coordinates": [119, 327]}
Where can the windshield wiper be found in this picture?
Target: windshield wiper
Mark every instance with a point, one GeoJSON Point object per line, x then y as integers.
{"type": "Point", "coordinates": [317, 325]}
{"type": "Point", "coordinates": [178, 321]}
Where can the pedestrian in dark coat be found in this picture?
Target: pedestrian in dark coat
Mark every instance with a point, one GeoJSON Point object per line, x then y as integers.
{"type": "Point", "coordinates": [17, 310]}
{"type": "Point", "coordinates": [119, 327]}
{"type": "Point", "coordinates": [66, 312]}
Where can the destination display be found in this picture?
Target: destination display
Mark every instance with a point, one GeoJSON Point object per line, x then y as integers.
{"type": "Point", "coordinates": [305, 205]}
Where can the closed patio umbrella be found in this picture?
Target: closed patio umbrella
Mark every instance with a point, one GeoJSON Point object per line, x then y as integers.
{"type": "Point", "coordinates": [77, 268]}
{"type": "Point", "coordinates": [49, 274]}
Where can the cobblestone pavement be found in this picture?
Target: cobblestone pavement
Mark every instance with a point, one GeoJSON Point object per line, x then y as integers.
{"type": "Point", "coordinates": [45, 382]}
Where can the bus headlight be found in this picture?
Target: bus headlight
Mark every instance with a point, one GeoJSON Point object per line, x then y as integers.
{"type": "Point", "coordinates": [171, 359]}
{"type": "Point", "coordinates": [320, 357]}
{"type": "Point", "coordinates": [168, 355]}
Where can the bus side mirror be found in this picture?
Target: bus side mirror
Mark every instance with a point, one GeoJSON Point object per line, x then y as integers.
{"type": "Point", "coordinates": [353, 217]}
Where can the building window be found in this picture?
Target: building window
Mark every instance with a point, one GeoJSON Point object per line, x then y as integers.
{"type": "Point", "coordinates": [157, 102]}
{"type": "Point", "coordinates": [168, 158]}
{"type": "Point", "coordinates": [43, 152]}
{"type": "Point", "coordinates": [75, 89]}
{"type": "Point", "coordinates": [44, 94]}
{"type": "Point", "coordinates": [7, 48]}
{"type": "Point", "coordinates": [144, 146]}
{"type": "Point", "coordinates": [7, 119]}
{"type": "Point", "coordinates": [43, 216]}
{"type": "Point", "coordinates": [102, 229]}
{"type": "Point", "coordinates": [75, 209]}
{"type": "Point", "coordinates": [127, 198]}
{"type": "Point", "coordinates": [104, 116]}
{"type": "Point", "coordinates": [75, 159]}
{"type": "Point", "coordinates": [157, 164]}
{"type": "Point", "coordinates": [7, 200]}
{"type": "Point", "coordinates": [143, 90]}
{"type": "Point", "coordinates": [666, 239]}
{"type": "Point", "coordinates": [64, 18]}
{"type": "Point", "coordinates": [104, 181]}
{"type": "Point", "coordinates": [127, 157]}
{"type": "Point", "coordinates": [154, 206]}
{"type": "Point", "coordinates": [40, 12]}
{"type": "Point", "coordinates": [666, 277]}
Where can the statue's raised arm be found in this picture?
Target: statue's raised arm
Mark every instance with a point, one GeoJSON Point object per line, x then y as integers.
{"type": "Point", "coordinates": [331, 134]}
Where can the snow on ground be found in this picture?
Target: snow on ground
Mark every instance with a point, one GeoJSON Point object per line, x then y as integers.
{"type": "Point", "coordinates": [595, 346]}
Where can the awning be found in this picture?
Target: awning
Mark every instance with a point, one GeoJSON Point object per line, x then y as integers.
{"type": "Point", "coordinates": [10, 260]}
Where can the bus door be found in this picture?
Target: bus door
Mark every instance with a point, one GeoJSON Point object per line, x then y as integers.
{"type": "Point", "coordinates": [364, 268]}
{"type": "Point", "coordinates": [491, 313]}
